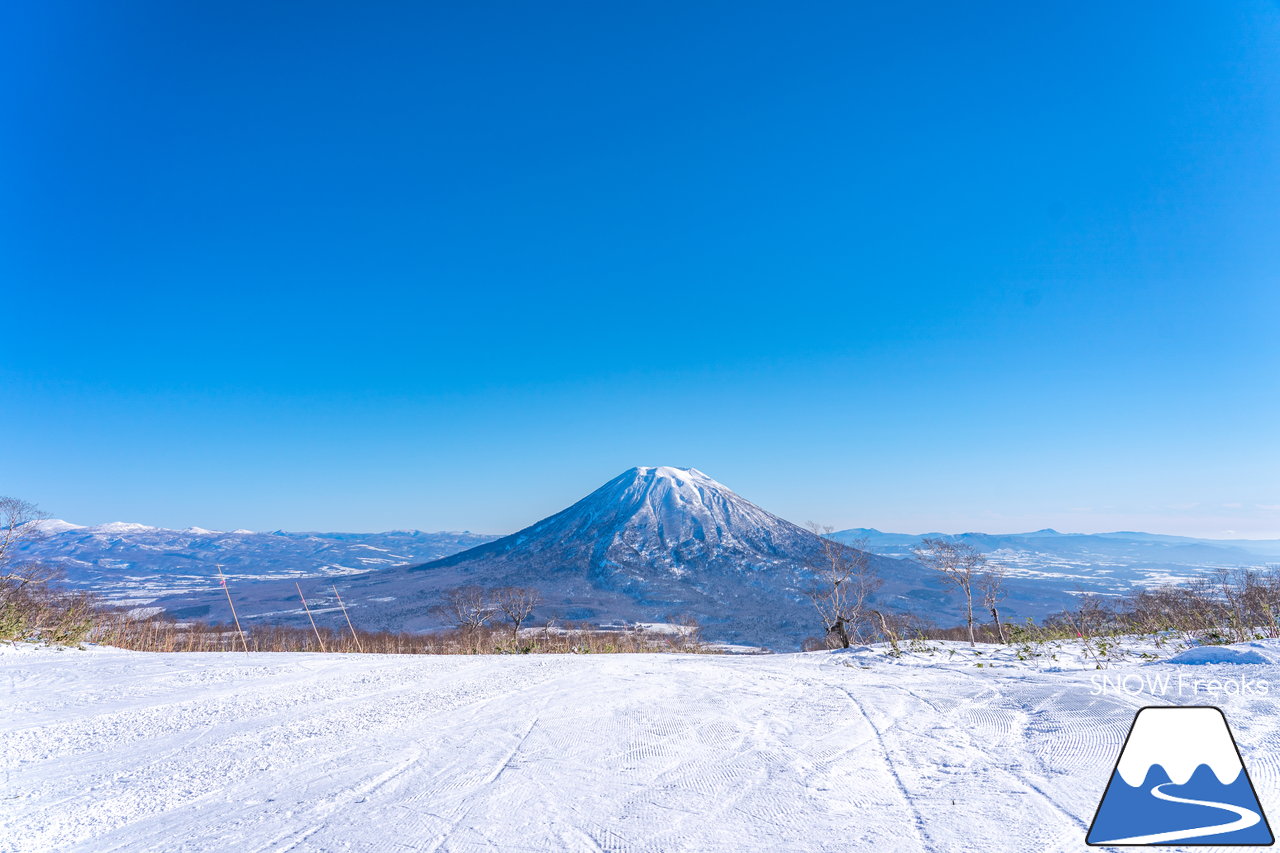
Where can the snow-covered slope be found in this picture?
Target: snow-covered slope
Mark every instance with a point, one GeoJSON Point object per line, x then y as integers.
{"type": "Point", "coordinates": [130, 752]}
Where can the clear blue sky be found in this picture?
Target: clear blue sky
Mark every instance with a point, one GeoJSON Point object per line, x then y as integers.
{"type": "Point", "coordinates": [374, 265]}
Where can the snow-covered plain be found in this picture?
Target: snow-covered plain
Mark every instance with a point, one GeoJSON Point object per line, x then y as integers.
{"type": "Point", "coordinates": [107, 750]}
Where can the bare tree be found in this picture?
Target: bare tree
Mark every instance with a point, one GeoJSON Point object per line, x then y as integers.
{"type": "Point", "coordinates": [17, 525]}
{"type": "Point", "coordinates": [24, 586]}
{"type": "Point", "coordinates": [468, 607]}
{"type": "Point", "coordinates": [1090, 616]}
{"type": "Point", "coordinates": [516, 603]}
{"type": "Point", "coordinates": [33, 602]}
{"type": "Point", "coordinates": [843, 584]}
{"type": "Point", "coordinates": [991, 583]}
{"type": "Point", "coordinates": [959, 563]}
{"type": "Point", "coordinates": [21, 583]}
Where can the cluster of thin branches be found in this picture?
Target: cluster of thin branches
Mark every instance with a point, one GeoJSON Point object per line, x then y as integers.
{"type": "Point", "coordinates": [970, 572]}
{"type": "Point", "coordinates": [876, 625]}
{"type": "Point", "coordinates": [473, 608]}
{"type": "Point", "coordinates": [1230, 606]}
{"type": "Point", "coordinates": [34, 604]}
{"type": "Point", "coordinates": [843, 582]}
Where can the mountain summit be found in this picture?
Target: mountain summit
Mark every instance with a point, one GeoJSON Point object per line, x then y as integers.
{"type": "Point", "coordinates": [649, 522]}
{"type": "Point", "coordinates": [656, 543]}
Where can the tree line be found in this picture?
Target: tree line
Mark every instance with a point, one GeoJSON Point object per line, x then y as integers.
{"type": "Point", "coordinates": [845, 582]}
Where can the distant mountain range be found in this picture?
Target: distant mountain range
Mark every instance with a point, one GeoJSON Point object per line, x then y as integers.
{"type": "Point", "coordinates": [1126, 544]}
{"type": "Point", "coordinates": [1103, 562]}
{"type": "Point", "coordinates": [653, 544]}
{"type": "Point", "coordinates": [128, 562]}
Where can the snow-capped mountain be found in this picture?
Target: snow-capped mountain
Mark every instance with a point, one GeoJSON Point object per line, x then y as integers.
{"type": "Point", "coordinates": [649, 522]}
{"type": "Point", "coordinates": [655, 543]}
{"type": "Point", "coordinates": [136, 562]}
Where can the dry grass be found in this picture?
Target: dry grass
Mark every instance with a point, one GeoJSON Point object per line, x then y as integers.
{"type": "Point", "coordinates": [164, 635]}
{"type": "Point", "coordinates": [37, 606]}
{"type": "Point", "coordinates": [1229, 607]}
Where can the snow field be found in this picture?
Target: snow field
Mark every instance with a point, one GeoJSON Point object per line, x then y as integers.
{"type": "Point", "coordinates": [108, 750]}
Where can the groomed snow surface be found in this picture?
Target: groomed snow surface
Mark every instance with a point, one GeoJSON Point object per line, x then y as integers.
{"type": "Point", "coordinates": [106, 750]}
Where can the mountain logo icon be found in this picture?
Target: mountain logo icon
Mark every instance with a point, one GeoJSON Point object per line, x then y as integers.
{"type": "Point", "coordinates": [1180, 780]}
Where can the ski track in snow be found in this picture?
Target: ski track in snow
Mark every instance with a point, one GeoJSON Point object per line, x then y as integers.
{"type": "Point", "coordinates": [111, 751]}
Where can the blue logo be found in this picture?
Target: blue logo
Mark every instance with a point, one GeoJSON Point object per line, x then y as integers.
{"type": "Point", "coordinates": [1180, 780]}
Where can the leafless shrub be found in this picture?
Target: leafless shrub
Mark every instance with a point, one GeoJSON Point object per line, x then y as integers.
{"type": "Point", "coordinates": [991, 585]}
{"type": "Point", "coordinates": [468, 607]}
{"type": "Point", "coordinates": [35, 606]}
{"type": "Point", "coordinates": [895, 627]}
{"type": "Point", "coordinates": [842, 587]}
{"type": "Point", "coordinates": [34, 602]}
{"type": "Point", "coordinates": [958, 633]}
{"type": "Point", "coordinates": [17, 524]}
{"type": "Point", "coordinates": [1226, 607]}
{"type": "Point", "coordinates": [517, 604]}
{"type": "Point", "coordinates": [959, 563]}
{"type": "Point", "coordinates": [815, 644]}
